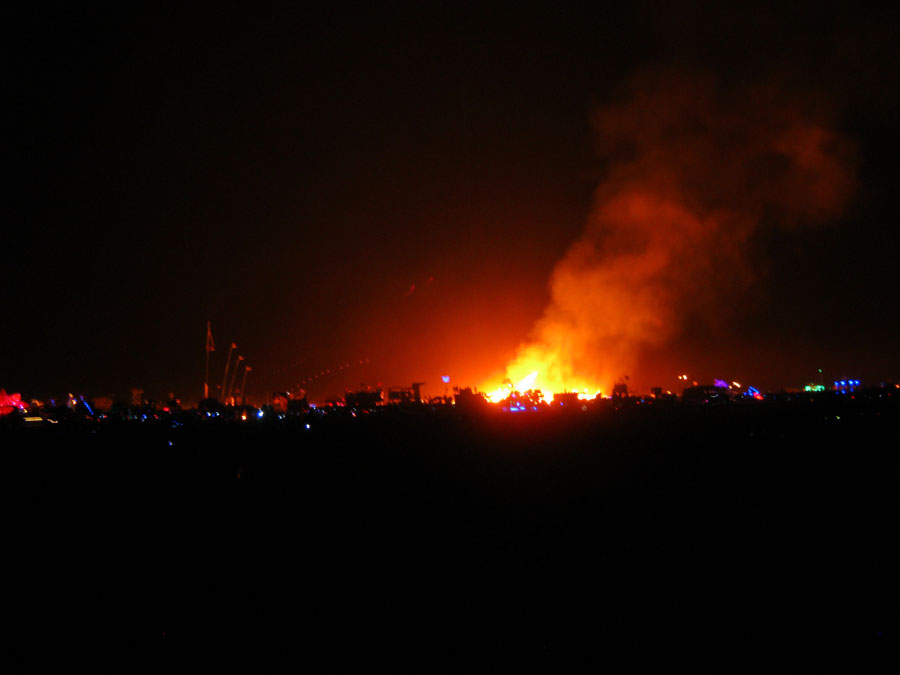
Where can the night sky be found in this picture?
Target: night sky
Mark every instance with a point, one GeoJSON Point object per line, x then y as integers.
{"type": "Point", "coordinates": [394, 184]}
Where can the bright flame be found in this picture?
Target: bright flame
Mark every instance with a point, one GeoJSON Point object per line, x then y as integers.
{"type": "Point", "coordinates": [543, 388]}
{"type": "Point", "coordinates": [527, 382]}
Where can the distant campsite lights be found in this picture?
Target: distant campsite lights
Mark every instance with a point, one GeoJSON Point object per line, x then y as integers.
{"type": "Point", "coordinates": [845, 386]}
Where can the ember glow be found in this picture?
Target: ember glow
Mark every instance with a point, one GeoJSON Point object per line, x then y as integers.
{"type": "Point", "coordinates": [693, 170]}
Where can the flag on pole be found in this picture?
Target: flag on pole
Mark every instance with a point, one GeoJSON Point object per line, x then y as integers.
{"type": "Point", "coordinates": [210, 345]}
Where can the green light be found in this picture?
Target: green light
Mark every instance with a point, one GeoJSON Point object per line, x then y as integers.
{"type": "Point", "coordinates": [814, 387]}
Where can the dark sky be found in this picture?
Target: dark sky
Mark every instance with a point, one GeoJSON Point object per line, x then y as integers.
{"type": "Point", "coordinates": [290, 174]}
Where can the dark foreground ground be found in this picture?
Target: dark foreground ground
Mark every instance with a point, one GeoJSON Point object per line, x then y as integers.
{"type": "Point", "coordinates": [744, 527]}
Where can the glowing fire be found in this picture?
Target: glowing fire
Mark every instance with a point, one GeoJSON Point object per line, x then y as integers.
{"type": "Point", "coordinates": [694, 166]}
{"type": "Point", "coordinates": [541, 388]}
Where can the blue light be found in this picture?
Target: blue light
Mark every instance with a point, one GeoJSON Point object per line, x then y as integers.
{"type": "Point", "coordinates": [843, 383]}
{"type": "Point", "coordinates": [445, 379]}
{"type": "Point", "coordinates": [86, 405]}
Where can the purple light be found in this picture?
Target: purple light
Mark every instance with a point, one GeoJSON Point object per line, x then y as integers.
{"type": "Point", "coordinates": [445, 379]}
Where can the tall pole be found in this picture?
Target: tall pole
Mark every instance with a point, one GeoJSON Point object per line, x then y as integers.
{"type": "Point", "coordinates": [247, 369]}
{"type": "Point", "coordinates": [210, 346]}
{"type": "Point", "coordinates": [227, 365]}
{"type": "Point", "coordinates": [234, 375]}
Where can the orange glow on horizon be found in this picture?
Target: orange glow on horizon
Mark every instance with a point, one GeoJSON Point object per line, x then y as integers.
{"type": "Point", "coordinates": [544, 387]}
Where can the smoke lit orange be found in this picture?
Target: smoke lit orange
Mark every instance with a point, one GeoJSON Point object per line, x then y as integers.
{"type": "Point", "coordinates": [693, 169]}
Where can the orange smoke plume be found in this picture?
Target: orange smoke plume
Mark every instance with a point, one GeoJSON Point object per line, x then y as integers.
{"type": "Point", "coordinates": [693, 168]}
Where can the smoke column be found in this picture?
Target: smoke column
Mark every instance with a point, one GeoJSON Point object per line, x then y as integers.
{"type": "Point", "coordinates": [692, 169]}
